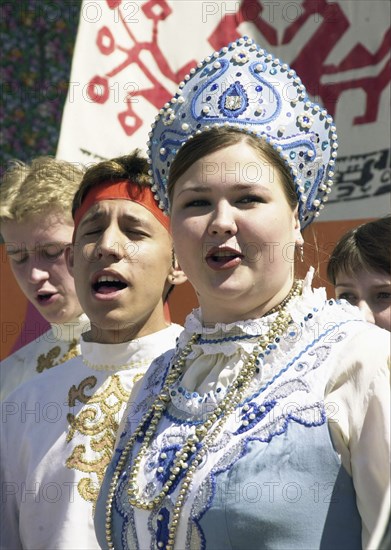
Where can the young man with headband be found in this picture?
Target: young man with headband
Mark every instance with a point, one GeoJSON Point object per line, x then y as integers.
{"type": "Point", "coordinates": [122, 263]}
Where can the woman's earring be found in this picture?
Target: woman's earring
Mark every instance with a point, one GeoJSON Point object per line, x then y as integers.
{"type": "Point", "coordinates": [301, 253]}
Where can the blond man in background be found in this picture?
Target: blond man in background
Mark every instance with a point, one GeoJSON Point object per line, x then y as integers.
{"type": "Point", "coordinates": [36, 225]}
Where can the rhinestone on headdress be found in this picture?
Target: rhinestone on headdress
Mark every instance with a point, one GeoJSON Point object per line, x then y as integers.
{"type": "Point", "coordinates": [245, 87]}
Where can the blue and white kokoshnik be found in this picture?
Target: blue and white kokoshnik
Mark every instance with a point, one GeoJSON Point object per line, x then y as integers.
{"type": "Point", "coordinates": [245, 87]}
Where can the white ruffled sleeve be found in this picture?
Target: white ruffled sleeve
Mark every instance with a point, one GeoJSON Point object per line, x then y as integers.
{"type": "Point", "coordinates": [358, 403]}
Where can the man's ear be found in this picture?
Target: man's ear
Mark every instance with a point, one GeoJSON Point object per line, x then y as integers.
{"type": "Point", "coordinates": [176, 276]}
{"type": "Point", "coordinates": [69, 257]}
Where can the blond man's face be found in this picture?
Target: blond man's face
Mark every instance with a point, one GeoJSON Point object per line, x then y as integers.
{"type": "Point", "coordinates": [35, 249]}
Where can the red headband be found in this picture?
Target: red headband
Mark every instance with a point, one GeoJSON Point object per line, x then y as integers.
{"type": "Point", "coordinates": [123, 189]}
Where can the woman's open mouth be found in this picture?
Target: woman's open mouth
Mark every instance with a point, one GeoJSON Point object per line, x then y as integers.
{"type": "Point", "coordinates": [223, 258]}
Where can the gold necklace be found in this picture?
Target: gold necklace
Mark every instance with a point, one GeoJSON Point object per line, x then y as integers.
{"type": "Point", "coordinates": [282, 304]}
{"type": "Point", "coordinates": [203, 433]}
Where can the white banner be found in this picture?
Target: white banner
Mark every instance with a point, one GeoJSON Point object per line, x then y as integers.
{"type": "Point", "coordinates": [130, 56]}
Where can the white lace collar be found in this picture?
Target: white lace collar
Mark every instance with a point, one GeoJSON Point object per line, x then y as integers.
{"type": "Point", "coordinates": [227, 338]}
{"type": "Point", "coordinates": [222, 349]}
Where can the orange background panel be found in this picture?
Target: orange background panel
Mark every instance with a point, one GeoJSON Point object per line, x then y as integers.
{"type": "Point", "coordinates": [13, 306]}
{"type": "Point", "coordinates": [20, 322]}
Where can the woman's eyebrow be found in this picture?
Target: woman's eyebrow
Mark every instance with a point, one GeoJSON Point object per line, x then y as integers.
{"type": "Point", "coordinates": [198, 188]}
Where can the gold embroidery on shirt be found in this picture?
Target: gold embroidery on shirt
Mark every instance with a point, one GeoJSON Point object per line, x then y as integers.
{"type": "Point", "coordinates": [77, 393]}
{"type": "Point", "coordinates": [71, 353]}
{"type": "Point", "coordinates": [48, 361]}
{"type": "Point", "coordinates": [99, 420]}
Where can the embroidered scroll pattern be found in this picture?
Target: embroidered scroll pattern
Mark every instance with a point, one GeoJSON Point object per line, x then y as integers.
{"type": "Point", "coordinates": [98, 421]}
{"type": "Point", "coordinates": [48, 361]}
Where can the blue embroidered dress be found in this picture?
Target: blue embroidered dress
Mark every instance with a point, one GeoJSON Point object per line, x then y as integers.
{"type": "Point", "coordinates": [302, 462]}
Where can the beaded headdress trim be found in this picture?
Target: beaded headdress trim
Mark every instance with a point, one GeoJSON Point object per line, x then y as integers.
{"type": "Point", "coordinates": [244, 87]}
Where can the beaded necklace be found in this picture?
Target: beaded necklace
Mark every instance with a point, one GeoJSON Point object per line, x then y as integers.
{"type": "Point", "coordinates": [195, 447]}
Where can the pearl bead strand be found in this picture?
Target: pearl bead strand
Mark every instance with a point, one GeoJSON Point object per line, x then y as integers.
{"type": "Point", "coordinates": [203, 433]}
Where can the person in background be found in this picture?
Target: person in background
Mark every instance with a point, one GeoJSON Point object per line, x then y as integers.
{"type": "Point", "coordinates": [360, 270]}
{"type": "Point", "coordinates": [37, 225]}
{"type": "Point", "coordinates": [53, 457]}
{"type": "Point", "coordinates": [269, 425]}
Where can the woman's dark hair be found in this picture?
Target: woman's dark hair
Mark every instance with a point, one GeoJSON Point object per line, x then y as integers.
{"type": "Point", "coordinates": [365, 247]}
{"type": "Point", "coordinates": [217, 138]}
